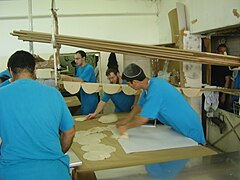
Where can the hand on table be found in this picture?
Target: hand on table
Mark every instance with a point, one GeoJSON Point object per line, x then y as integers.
{"type": "Point", "coordinates": [122, 129]}
{"type": "Point", "coordinates": [91, 116]}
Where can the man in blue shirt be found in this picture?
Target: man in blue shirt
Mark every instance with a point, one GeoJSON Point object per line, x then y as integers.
{"type": "Point", "coordinates": [122, 102]}
{"type": "Point", "coordinates": [160, 100]}
{"type": "Point", "coordinates": [36, 126]}
{"type": "Point", "coordinates": [84, 73]}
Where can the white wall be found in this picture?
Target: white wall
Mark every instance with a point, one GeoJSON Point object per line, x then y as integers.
{"type": "Point", "coordinates": [117, 20]}
{"type": "Point", "coordinates": [210, 15]}
{"type": "Point", "coordinates": [213, 14]}
{"type": "Point", "coordinates": [136, 21]}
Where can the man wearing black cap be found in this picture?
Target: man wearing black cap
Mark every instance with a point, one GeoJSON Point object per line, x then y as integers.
{"type": "Point", "coordinates": [161, 101]}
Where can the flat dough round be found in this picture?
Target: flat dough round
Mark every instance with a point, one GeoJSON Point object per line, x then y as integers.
{"type": "Point", "coordinates": [96, 155]}
{"type": "Point", "coordinates": [96, 130]}
{"type": "Point", "coordinates": [111, 88]}
{"type": "Point", "coordinates": [128, 90]}
{"type": "Point", "coordinates": [90, 88]}
{"type": "Point", "coordinates": [99, 147]}
{"type": "Point", "coordinates": [89, 139]}
{"type": "Point", "coordinates": [72, 87]}
{"type": "Point", "coordinates": [110, 118]}
{"type": "Point", "coordinates": [81, 133]}
{"type": "Point", "coordinates": [192, 92]}
{"type": "Point", "coordinates": [80, 119]}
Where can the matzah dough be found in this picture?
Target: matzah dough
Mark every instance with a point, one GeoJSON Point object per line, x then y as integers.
{"type": "Point", "coordinates": [80, 119]}
{"type": "Point", "coordinates": [81, 133]}
{"type": "Point", "coordinates": [96, 155]}
{"type": "Point", "coordinates": [99, 147]}
{"type": "Point", "coordinates": [90, 88]}
{"type": "Point", "coordinates": [110, 118]}
{"type": "Point", "coordinates": [96, 130]}
{"type": "Point", "coordinates": [72, 87]}
{"type": "Point", "coordinates": [89, 138]}
{"type": "Point", "coordinates": [111, 88]}
{"type": "Point", "coordinates": [192, 92]}
{"type": "Point", "coordinates": [128, 90]}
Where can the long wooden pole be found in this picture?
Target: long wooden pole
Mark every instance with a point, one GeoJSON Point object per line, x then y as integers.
{"type": "Point", "coordinates": [150, 51]}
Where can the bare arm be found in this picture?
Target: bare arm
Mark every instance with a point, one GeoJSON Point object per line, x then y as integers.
{"type": "Point", "coordinates": [99, 108]}
{"type": "Point", "coordinates": [66, 139]}
{"type": "Point", "coordinates": [136, 110]}
{"type": "Point", "coordinates": [138, 121]}
{"type": "Point", "coordinates": [135, 100]}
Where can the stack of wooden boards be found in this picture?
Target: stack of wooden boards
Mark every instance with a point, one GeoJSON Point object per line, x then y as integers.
{"type": "Point", "coordinates": [149, 51]}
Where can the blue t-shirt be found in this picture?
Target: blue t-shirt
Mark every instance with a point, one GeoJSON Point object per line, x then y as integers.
{"type": "Point", "coordinates": [31, 115]}
{"type": "Point", "coordinates": [88, 101]}
{"type": "Point", "coordinates": [122, 102]}
{"type": "Point", "coordinates": [236, 85]}
{"type": "Point", "coordinates": [164, 102]}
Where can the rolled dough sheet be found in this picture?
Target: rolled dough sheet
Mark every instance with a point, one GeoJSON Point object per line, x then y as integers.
{"type": "Point", "coordinates": [128, 90]}
{"type": "Point", "coordinates": [111, 88]}
{"type": "Point", "coordinates": [90, 88]}
{"type": "Point", "coordinates": [72, 87]}
{"type": "Point", "coordinates": [110, 118]}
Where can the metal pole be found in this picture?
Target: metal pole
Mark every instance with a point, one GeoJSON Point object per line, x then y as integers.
{"type": "Point", "coordinates": [30, 24]}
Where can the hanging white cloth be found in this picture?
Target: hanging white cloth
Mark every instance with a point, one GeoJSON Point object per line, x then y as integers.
{"type": "Point", "coordinates": [211, 99]}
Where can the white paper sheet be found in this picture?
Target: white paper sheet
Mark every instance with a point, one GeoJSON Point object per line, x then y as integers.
{"type": "Point", "coordinates": [154, 138]}
{"type": "Point", "coordinates": [74, 160]}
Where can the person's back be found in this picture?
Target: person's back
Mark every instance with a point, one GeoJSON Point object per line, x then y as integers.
{"type": "Point", "coordinates": [43, 107]}
{"type": "Point", "coordinates": [161, 101]}
{"type": "Point", "coordinates": [31, 115]}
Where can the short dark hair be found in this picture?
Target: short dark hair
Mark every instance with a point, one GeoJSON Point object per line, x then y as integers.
{"type": "Point", "coordinates": [221, 46]}
{"type": "Point", "coordinates": [133, 72]}
{"type": "Point", "coordinates": [21, 60]}
{"type": "Point", "coordinates": [110, 70]}
{"type": "Point", "coordinates": [83, 54]}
